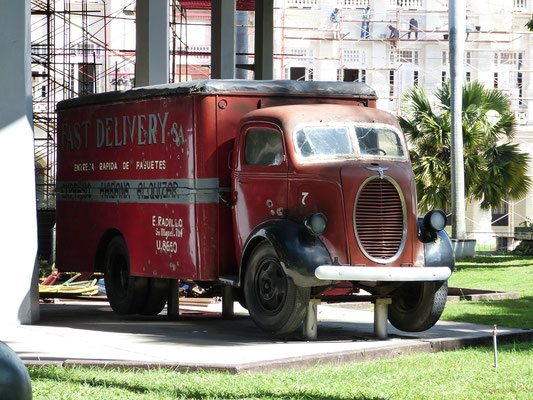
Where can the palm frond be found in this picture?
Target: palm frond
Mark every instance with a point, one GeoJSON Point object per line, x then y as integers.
{"type": "Point", "coordinates": [493, 171]}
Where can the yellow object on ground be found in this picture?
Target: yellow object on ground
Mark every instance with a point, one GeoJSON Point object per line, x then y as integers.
{"type": "Point", "coordinates": [87, 288]}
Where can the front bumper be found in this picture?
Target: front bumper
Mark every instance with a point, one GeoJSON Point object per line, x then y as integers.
{"type": "Point", "coordinates": [386, 274]}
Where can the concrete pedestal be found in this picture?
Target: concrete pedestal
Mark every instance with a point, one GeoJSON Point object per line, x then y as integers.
{"type": "Point", "coordinates": [19, 297]}
{"type": "Point", "coordinates": [464, 247]}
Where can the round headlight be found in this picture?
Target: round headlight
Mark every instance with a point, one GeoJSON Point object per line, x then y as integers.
{"type": "Point", "coordinates": [317, 223]}
{"type": "Point", "coordinates": [435, 220]}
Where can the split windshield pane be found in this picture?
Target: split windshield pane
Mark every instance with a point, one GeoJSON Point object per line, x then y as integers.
{"type": "Point", "coordinates": [327, 142]}
{"type": "Point", "coordinates": [323, 141]}
{"type": "Point", "coordinates": [379, 141]}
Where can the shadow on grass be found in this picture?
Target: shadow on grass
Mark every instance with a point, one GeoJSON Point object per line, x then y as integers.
{"type": "Point", "coordinates": [510, 313]}
{"type": "Point", "coordinates": [500, 261]}
{"type": "Point", "coordinates": [47, 375]}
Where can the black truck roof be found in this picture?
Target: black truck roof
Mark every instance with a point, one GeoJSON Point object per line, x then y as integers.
{"type": "Point", "coordinates": [219, 86]}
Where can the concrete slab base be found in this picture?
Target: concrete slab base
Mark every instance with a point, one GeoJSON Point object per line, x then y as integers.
{"type": "Point", "coordinates": [90, 334]}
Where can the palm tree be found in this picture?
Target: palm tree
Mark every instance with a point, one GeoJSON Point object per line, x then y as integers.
{"type": "Point", "coordinates": [495, 169]}
{"type": "Point", "coordinates": [529, 24]}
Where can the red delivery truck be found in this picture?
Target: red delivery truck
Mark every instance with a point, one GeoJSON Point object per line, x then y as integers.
{"type": "Point", "coordinates": [288, 191]}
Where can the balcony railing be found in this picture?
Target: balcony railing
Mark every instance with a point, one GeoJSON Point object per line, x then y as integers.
{"type": "Point", "coordinates": [301, 3]}
{"type": "Point", "coordinates": [405, 3]}
{"type": "Point", "coordinates": [355, 3]}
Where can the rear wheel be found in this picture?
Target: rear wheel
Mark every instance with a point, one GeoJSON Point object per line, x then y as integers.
{"type": "Point", "coordinates": [417, 306]}
{"type": "Point", "coordinates": [126, 293]}
{"type": "Point", "coordinates": [274, 302]}
{"type": "Point", "coordinates": [156, 297]}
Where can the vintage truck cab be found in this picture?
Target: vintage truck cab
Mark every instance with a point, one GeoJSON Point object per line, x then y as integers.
{"type": "Point", "coordinates": [325, 194]}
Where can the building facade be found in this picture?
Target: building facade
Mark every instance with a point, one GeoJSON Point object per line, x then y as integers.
{"type": "Point", "coordinates": [88, 46]}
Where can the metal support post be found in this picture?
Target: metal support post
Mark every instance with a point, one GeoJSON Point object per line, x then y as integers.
{"type": "Point", "coordinates": [152, 42]}
{"type": "Point", "coordinates": [223, 39]}
{"type": "Point", "coordinates": [264, 39]}
{"type": "Point", "coordinates": [310, 329]}
{"type": "Point", "coordinates": [457, 26]}
{"type": "Point", "coordinates": [173, 305]}
{"type": "Point", "coordinates": [381, 314]}
{"type": "Point", "coordinates": [227, 301]}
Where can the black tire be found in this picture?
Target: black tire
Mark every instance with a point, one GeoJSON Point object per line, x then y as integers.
{"type": "Point", "coordinates": [156, 297]}
{"type": "Point", "coordinates": [274, 302]}
{"type": "Point", "coordinates": [417, 306]}
{"type": "Point", "coordinates": [126, 293]}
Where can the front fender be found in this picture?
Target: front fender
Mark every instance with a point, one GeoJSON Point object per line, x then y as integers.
{"type": "Point", "coordinates": [299, 251]}
{"type": "Point", "coordinates": [438, 247]}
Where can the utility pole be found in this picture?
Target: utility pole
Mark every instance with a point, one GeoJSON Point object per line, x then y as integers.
{"type": "Point", "coordinates": [457, 26]}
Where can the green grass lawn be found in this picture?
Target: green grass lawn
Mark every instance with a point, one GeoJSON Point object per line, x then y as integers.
{"type": "Point", "coordinates": [505, 272]}
{"type": "Point", "coordinates": [464, 374]}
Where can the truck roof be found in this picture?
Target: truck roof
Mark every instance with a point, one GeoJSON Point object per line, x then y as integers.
{"type": "Point", "coordinates": [291, 115]}
{"type": "Point", "coordinates": [221, 86]}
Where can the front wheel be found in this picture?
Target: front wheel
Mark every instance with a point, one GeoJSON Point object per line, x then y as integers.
{"type": "Point", "coordinates": [417, 306]}
{"type": "Point", "coordinates": [274, 302]}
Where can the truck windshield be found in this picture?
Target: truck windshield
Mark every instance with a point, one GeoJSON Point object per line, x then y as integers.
{"type": "Point", "coordinates": [319, 143]}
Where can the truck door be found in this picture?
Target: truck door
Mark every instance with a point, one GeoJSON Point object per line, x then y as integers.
{"type": "Point", "coordinates": [259, 178]}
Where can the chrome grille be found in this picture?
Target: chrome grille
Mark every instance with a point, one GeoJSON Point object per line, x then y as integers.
{"type": "Point", "coordinates": [379, 219]}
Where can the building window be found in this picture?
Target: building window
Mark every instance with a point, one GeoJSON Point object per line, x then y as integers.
{"type": "Point", "coordinates": [520, 4]}
{"type": "Point", "coordinates": [467, 60]}
{"type": "Point", "coordinates": [353, 56]}
{"type": "Point", "coordinates": [201, 53]}
{"type": "Point", "coordinates": [404, 56]}
{"type": "Point", "coordinates": [519, 85]}
{"type": "Point", "coordinates": [443, 78]}
{"type": "Point", "coordinates": [87, 49]}
{"type": "Point", "coordinates": [86, 79]}
{"type": "Point", "coordinates": [508, 58]}
{"type": "Point", "coordinates": [353, 75]}
{"type": "Point", "coordinates": [495, 80]}
{"type": "Point", "coordinates": [415, 78]}
{"type": "Point", "coordinates": [300, 74]}
{"type": "Point", "coordinates": [468, 77]}
{"type": "Point", "coordinates": [502, 243]}
{"type": "Point", "coordinates": [500, 215]}
{"type": "Point", "coordinates": [391, 83]}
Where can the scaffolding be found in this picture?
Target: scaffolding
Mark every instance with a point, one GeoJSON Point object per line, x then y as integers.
{"type": "Point", "coordinates": [496, 52]}
{"type": "Point", "coordinates": [403, 51]}
{"type": "Point", "coordinates": [73, 55]}
{"type": "Point", "coordinates": [85, 46]}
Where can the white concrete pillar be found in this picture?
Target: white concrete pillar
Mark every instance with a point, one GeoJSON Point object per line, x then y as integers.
{"type": "Point", "coordinates": [152, 42]}
{"type": "Point", "coordinates": [223, 39]}
{"type": "Point", "coordinates": [19, 297]}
